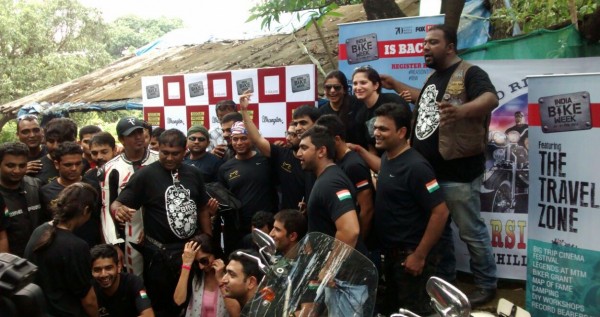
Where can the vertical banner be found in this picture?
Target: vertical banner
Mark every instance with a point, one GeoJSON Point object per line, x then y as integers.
{"type": "Point", "coordinates": [180, 101]}
{"type": "Point", "coordinates": [391, 46]}
{"type": "Point", "coordinates": [563, 272]}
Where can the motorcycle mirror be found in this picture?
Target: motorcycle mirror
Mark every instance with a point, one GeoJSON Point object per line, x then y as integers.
{"type": "Point", "coordinates": [263, 241]}
{"type": "Point", "coordinates": [446, 299]}
{"type": "Point", "coordinates": [261, 266]}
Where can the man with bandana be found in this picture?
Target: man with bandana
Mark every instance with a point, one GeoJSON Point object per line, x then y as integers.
{"type": "Point", "coordinates": [175, 207]}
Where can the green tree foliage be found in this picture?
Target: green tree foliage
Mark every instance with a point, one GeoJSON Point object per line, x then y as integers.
{"type": "Point", "coordinates": [130, 32]}
{"type": "Point", "coordinates": [45, 43]}
{"type": "Point", "coordinates": [532, 15]}
{"type": "Point", "coordinates": [271, 10]}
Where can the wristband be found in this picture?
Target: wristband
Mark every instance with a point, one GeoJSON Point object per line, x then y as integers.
{"type": "Point", "coordinates": [186, 267]}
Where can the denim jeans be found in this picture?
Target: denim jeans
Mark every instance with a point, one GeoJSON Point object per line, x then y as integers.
{"type": "Point", "coordinates": [464, 204]}
{"type": "Point", "coordinates": [346, 299]}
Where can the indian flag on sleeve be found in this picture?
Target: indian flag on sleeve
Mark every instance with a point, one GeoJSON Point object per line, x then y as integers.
{"type": "Point", "coordinates": [343, 194]}
{"type": "Point", "coordinates": [362, 184]}
{"type": "Point", "coordinates": [143, 294]}
{"type": "Point", "coordinates": [432, 186]}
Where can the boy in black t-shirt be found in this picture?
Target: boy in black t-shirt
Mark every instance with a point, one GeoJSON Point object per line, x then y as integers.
{"type": "Point", "coordinates": [119, 294]}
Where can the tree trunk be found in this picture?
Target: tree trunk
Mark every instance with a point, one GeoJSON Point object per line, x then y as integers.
{"type": "Point", "coordinates": [5, 119]}
{"type": "Point", "coordinates": [382, 9]}
{"type": "Point", "coordinates": [590, 26]}
{"type": "Point", "coordinates": [452, 9]}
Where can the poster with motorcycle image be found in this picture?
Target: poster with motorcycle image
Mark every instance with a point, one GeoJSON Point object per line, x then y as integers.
{"type": "Point", "coordinates": [505, 190]}
{"type": "Point", "coordinates": [563, 270]}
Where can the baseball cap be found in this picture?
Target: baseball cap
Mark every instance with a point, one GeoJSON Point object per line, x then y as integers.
{"type": "Point", "coordinates": [128, 125]}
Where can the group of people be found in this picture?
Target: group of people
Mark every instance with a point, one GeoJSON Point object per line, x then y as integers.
{"type": "Point", "coordinates": [364, 168]}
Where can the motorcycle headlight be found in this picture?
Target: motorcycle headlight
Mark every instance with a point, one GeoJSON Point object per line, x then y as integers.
{"type": "Point", "coordinates": [499, 154]}
{"type": "Point", "coordinates": [514, 136]}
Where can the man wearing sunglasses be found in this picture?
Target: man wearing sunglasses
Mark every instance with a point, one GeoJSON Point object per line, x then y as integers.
{"type": "Point", "coordinates": [197, 143]}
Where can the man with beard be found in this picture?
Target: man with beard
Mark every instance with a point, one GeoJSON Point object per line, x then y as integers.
{"type": "Point", "coordinates": [331, 210]}
{"type": "Point", "coordinates": [287, 166]}
{"type": "Point", "coordinates": [69, 163]}
{"type": "Point", "coordinates": [58, 130]}
{"type": "Point", "coordinates": [22, 208]}
{"type": "Point", "coordinates": [117, 173]}
{"type": "Point", "coordinates": [175, 208]}
{"type": "Point", "coordinates": [119, 294]}
{"type": "Point", "coordinates": [208, 163]}
{"type": "Point", "coordinates": [452, 117]}
{"type": "Point", "coordinates": [248, 177]}
{"type": "Point", "coordinates": [31, 134]}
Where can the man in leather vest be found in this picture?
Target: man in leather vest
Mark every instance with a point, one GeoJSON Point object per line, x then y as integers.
{"type": "Point", "coordinates": [451, 120]}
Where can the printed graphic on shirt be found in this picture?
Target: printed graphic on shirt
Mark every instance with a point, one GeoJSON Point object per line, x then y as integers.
{"type": "Point", "coordinates": [181, 211]}
{"type": "Point", "coordinates": [428, 119]}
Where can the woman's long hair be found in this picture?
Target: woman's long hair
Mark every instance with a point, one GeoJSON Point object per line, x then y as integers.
{"type": "Point", "coordinates": [70, 204]}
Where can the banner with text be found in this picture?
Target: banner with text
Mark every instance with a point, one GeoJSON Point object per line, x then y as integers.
{"type": "Point", "coordinates": [391, 46]}
{"type": "Point", "coordinates": [563, 273]}
{"type": "Point", "coordinates": [180, 101]}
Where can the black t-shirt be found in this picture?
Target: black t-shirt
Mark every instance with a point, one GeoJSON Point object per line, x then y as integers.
{"type": "Point", "coordinates": [208, 164]}
{"type": "Point", "coordinates": [48, 171]}
{"type": "Point", "coordinates": [332, 196]}
{"type": "Point", "coordinates": [347, 117]}
{"type": "Point", "coordinates": [130, 299]}
{"type": "Point", "coordinates": [365, 118]}
{"type": "Point", "coordinates": [90, 230]}
{"type": "Point", "coordinates": [425, 136]}
{"type": "Point", "coordinates": [290, 175]}
{"type": "Point", "coordinates": [252, 183]}
{"type": "Point", "coordinates": [64, 270]}
{"type": "Point", "coordinates": [357, 171]}
{"type": "Point", "coordinates": [407, 191]}
{"type": "Point", "coordinates": [22, 212]}
{"type": "Point", "coordinates": [170, 209]}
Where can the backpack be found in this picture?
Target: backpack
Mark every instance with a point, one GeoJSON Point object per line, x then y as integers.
{"type": "Point", "coordinates": [227, 200]}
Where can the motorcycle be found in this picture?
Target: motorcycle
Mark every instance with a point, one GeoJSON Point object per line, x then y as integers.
{"type": "Point", "coordinates": [506, 183]}
{"type": "Point", "coordinates": [449, 301]}
{"type": "Point", "coordinates": [320, 276]}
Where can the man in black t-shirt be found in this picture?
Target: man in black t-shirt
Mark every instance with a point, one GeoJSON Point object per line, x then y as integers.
{"type": "Point", "coordinates": [287, 167]}
{"type": "Point", "coordinates": [208, 163]}
{"type": "Point", "coordinates": [21, 211]}
{"type": "Point", "coordinates": [450, 130]}
{"type": "Point", "coordinates": [248, 176]}
{"type": "Point", "coordinates": [355, 168]}
{"type": "Point", "coordinates": [331, 209]}
{"type": "Point", "coordinates": [68, 160]}
{"type": "Point", "coordinates": [410, 213]}
{"type": "Point", "coordinates": [30, 133]}
{"type": "Point", "coordinates": [175, 207]}
{"type": "Point", "coordinates": [57, 131]}
{"type": "Point", "coordinates": [119, 294]}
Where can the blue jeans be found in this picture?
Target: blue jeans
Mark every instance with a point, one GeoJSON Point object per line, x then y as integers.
{"type": "Point", "coordinates": [464, 204]}
{"type": "Point", "coordinates": [346, 299]}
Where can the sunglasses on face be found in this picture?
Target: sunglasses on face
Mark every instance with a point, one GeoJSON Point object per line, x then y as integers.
{"type": "Point", "coordinates": [193, 139]}
{"type": "Point", "coordinates": [335, 87]}
{"type": "Point", "coordinates": [204, 261]}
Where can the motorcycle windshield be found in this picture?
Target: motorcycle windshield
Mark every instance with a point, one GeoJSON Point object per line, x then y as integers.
{"type": "Point", "coordinates": [321, 276]}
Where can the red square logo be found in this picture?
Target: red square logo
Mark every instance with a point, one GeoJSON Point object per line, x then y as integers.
{"type": "Point", "coordinates": [197, 115]}
{"type": "Point", "coordinates": [219, 87]}
{"type": "Point", "coordinates": [155, 116]}
{"type": "Point", "coordinates": [272, 81]}
{"type": "Point", "coordinates": [174, 90]}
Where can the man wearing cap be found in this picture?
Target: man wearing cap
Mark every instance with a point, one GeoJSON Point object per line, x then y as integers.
{"type": "Point", "coordinates": [208, 163]}
{"type": "Point", "coordinates": [115, 175]}
{"type": "Point", "coordinates": [248, 176]}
